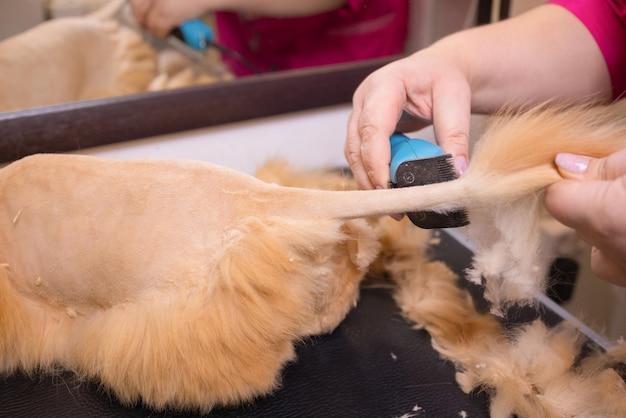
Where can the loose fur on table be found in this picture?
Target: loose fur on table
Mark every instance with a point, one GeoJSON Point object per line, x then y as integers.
{"type": "Point", "coordinates": [183, 284]}
{"type": "Point", "coordinates": [77, 58]}
{"type": "Point", "coordinates": [530, 371]}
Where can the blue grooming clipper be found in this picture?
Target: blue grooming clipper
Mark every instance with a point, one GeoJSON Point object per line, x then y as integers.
{"type": "Point", "coordinates": [199, 36]}
{"type": "Point", "coordinates": [416, 162]}
{"type": "Point", "coordinates": [196, 34]}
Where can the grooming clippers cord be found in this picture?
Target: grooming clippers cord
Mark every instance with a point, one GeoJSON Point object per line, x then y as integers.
{"type": "Point", "coordinates": [199, 36]}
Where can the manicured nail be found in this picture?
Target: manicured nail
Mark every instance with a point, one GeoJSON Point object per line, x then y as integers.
{"type": "Point", "coordinates": [460, 164]}
{"type": "Point", "coordinates": [573, 163]}
{"type": "Point", "coordinates": [397, 216]}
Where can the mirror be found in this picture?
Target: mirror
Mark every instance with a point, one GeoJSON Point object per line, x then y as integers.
{"type": "Point", "coordinates": [43, 69]}
{"type": "Point", "coordinates": [96, 122]}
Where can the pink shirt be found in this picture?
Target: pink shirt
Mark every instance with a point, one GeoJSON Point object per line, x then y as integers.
{"type": "Point", "coordinates": [360, 29]}
{"type": "Point", "coordinates": [606, 20]}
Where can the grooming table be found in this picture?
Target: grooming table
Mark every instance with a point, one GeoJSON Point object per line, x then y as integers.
{"type": "Point", "coordinates": [374, 364]}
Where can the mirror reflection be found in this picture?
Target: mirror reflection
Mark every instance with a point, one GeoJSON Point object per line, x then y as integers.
{"type": "Point", "coordinates": [59, 51]}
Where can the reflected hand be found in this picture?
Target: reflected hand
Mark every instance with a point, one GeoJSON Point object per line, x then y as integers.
{"type": "Point", "coordinates": [591, 200]}
{"type": "Point", "coordinates": [421, 85]}
{"type": "Point", "coordinates": [162, 16]}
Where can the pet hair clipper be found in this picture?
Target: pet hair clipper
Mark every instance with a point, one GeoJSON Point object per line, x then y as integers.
{"type": "Point", "coordinates": [195, 33]}
{"type": "Point", "coordinates": [199, 36]}
{"type": "Point", "coordinates": [416, 162]}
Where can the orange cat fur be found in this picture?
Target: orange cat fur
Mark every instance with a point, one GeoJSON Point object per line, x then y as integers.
{"type": "Point", "coordinates": [185, 284]}
{"type": "Point", "coordinates": [69, 59]}
{"type": "Point", "coordinates": [181, 301]}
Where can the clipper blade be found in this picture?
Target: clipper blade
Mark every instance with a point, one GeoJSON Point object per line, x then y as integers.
{"type": "Point", "coordinates": [430, 170]}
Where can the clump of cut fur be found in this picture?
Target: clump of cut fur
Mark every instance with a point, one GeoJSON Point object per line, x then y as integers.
{"type": "Point", "coordinates": [531, 371]}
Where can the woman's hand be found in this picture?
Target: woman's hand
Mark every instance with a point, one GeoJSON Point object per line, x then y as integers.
{"type": "Point", "coordinates": [519, 61]}
{"type": "Point", "coordinates": [162, 16]}
{"type": "Point", "coordinates": [422, 85]}
{"type": "Point", "coordinates": [592, 200]}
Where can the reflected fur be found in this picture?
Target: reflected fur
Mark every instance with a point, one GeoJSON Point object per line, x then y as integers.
{"type": "Point", "coordinates": [77, 58]}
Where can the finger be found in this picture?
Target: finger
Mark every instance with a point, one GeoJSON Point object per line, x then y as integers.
{"type": "Point", "coordinates": [594, 209]}
{"type": "Point", "coordinates": [140, 10]}
{"type": "Point", "coordinates": [607, 268]}
{"type": "Point", "coordinates": [562, 200]}
{"type": "Point", "coordinates": [451, 118]}
{"type": "Point", "coordinates": [154, 16]}
{"type": "Point", "coordinates": [159, 23]}
{"type": "Point", "coordinates": [581, 205]}
{"type": "Point", "coordinates": [352, 152]}
{"type": "Point", "coordinates": [375, 121]}
{"type": "Point", "coordinates": [582, 167]}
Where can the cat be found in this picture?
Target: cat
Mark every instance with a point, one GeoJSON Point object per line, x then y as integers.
{"type": "Point", "coordinates": [184, 285]}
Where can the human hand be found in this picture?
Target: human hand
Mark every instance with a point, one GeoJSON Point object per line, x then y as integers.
{"type": "Point", "coordinates": [162, 16]}
{"type": "Point", "coordinates": [591, 200]}
{"type": "Point", "coordinates": [422, 85]}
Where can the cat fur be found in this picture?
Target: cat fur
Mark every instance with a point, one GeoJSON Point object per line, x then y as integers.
{"type": "Point", "coordinates": [527, 370]}
{"type": "Point", "coordinates": [71, 59]}
{"type": "Point", "coordinates": [185, 285]}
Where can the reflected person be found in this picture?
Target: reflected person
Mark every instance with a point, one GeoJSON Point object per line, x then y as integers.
{"type": "Point", "coordinates": [276, 35]}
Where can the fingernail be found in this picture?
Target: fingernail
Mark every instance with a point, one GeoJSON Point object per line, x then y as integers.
{"type": "Point", "coordinates": [460, 164]}
{"type": "Point", "coordinates": [573, 163]}
{"type": "Point", "coordinates": [397, 216]}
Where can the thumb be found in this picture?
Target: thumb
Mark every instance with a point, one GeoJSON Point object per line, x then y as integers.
{"type": "Point", "coordinates": [592, 195]}
{"type": "Point", "coordinates": [581, 167]}
{"type": "Point", "coordinates": [451, 118]}
{"type": "Point", "coordinates": [578, 203]}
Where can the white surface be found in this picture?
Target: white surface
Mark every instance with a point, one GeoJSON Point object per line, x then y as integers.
{"type": "Point", "coordinates": [307, 139]}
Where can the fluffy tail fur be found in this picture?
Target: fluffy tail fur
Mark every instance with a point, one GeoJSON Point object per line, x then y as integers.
{"type": "Point", "coordinates": [511, 165]}
{"type": "Point", "coordinates": [513, 159]}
